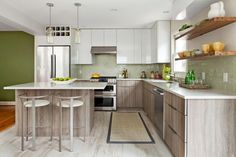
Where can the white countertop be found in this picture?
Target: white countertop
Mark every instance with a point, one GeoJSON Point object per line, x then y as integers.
{"type": "Point", "coordinates": [140, 79]}
{"type": "Point", "coordinates": [49, 85]}
{"type": "Point", "coordinates": [193, 94]}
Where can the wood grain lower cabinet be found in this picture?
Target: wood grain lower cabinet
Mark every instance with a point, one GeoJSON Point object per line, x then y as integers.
{"type": "Point", "coordinates": [149, 101]}
{"type": "Point", "coordinates": [194, 128]}
{"type": "Point", "coordinates": [129, 94]}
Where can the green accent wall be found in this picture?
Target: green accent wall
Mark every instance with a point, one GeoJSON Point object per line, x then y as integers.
{"type": "Point", "coordinates": [16, 61]}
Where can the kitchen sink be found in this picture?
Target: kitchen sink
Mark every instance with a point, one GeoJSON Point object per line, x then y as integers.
{"type": "Point", "coordinates": [164, 81]}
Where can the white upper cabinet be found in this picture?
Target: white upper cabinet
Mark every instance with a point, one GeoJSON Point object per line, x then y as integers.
{"type": "Point", "coordinates": [81, 53]}
{"type": "Point", "coordinates": [147, 55]}
{"type": "Point", "coordinates": [110, 37]}
{"type": "Point", "coordinates": [161, 41]}
{"type": "Point", "coordinates": [134, 46]}
{"type": "Point", "coordinates": [97, 37]}
{"type": "Point", "coordinates": [125, 46]}
{"type": "Point", "coordinates": [103, 37]}
{"type": "Point", "coordinates": [85, 56]}
{"type": "Point", "coordinates": [138, 46]}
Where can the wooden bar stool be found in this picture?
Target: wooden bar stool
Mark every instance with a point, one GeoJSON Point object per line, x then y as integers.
{"type": "Point", "coordinates": [71, 103]}
{"type": "Point", "coordinates": [34, 102]}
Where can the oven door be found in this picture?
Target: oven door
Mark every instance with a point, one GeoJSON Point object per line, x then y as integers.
{"type": "Point", "coordinates": [109, 89]}
{"type": "Point", "coordinates": [105, 102]}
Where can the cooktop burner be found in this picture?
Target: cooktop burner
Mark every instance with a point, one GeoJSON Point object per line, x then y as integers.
{"type": "Point", "coordinates": [109, 79]}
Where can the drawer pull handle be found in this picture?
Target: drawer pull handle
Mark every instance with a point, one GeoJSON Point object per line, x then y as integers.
{"type": "Point", "coordinates": [172, 129]}
{"type": "Point", "coordinates": [172, 107]}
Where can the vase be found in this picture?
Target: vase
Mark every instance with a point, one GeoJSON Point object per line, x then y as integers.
{"type": "Point", "coordinates": [216, 10]}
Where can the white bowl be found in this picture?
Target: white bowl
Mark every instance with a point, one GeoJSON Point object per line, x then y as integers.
{"type": "Point", "coordinates": [64, 82]}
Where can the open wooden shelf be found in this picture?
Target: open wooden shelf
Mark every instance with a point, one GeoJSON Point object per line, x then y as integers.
{"type": "Point", "coordinates": [205, 27]}
{"type": "Point", "coordinates": [203, 57]}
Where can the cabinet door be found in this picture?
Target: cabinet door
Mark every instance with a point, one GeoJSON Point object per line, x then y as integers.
{"type": "Point", "coordinates": [145, 101]}
{"type": "Point", "coordinates": [137, 46]}
{"type": "Point", "coordinates": [146, 46]}
{"type": "Point", "coordinates": [126, 96]}
{"type": "Point", "coordinates": [154, 43]}
{"type": "Point", "coordinates": [152, 107]}
{"type": "Point", "coordinates": [74, 53]}
{"type": "Point", "coordinates": [84, 48]}
{"type": "Point", "coordinates": [110, 37]}
{"type": "Point", "coordinates": [125, 46]}
{"type": "Point", "coordinates": [139, 94]}
{"type": "Point", "coordinates": [122, 93]}
{"type": "Point", "coordinates": [163, 42]}
{"type": "Point", "coordinates": [98, 37]}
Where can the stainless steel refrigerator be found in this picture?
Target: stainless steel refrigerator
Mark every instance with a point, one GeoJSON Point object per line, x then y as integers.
{"type": "Point", "coordinates": [51, 62]}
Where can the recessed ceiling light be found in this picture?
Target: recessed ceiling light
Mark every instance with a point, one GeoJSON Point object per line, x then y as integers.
{"type": "Point", "coordinates": [166, 12]}
{"type": "Point", "coordinates": [113, 9]}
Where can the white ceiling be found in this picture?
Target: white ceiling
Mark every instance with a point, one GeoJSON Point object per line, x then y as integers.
{"type": "Point", "coordinates": [96, 13]}
{"type": "Point", "coordinates": [33, 15]}
{"type": "Point", "coordinates": [5, 27]}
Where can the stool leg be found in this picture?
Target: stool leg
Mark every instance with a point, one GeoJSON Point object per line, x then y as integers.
{"type": "Point", "coordinates": [71, 125]}
{"type": "Point", "coordinates": [27, 125]}
{"type": "Point", "coordinates": [51, 120]}
{"type": "Point", "coordinates": [84, 121]}
{"type": "Point", "coordinates": [33, 124]}
{"type": "Point", "coordinates": [22, 126]}
{"type": "Point", "coordinates": [60, 126]}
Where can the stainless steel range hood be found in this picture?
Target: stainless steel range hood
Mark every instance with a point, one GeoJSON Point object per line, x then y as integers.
{"type": "Point", "coordinates": [98, 50]}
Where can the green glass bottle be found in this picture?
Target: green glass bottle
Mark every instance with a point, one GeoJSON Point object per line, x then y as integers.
{"type": "Point", "coordinates": [187, 78]}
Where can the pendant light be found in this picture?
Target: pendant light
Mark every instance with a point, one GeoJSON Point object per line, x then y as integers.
{"type": "Point", "coordinates": [49, 31]}
{"type": "Point", "coordinates": [77, 29]}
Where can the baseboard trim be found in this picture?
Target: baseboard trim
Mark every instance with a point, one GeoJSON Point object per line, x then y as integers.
{"type": "Point", "coordinates": [7, 102]}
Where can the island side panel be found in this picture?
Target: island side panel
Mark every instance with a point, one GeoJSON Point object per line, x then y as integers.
{"type": "Point", "coordinates": [18, 111]}
{"type": "Point", "coordinates": [211, 128]}
{"type": "Point", "coordinates": [43, 117]}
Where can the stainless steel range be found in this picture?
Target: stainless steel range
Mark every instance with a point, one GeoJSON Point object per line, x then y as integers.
{"type": "Point", "coordinates": [105, 99]}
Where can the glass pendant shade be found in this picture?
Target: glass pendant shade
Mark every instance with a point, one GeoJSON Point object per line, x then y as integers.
{"type": "Point", "coordinates": [77, 29]}
{"type": "Point", "coordinates": [77, 36]}
{"type": "Point", "coordinates": [49, 35]}
{"type": "Point", "coordinates": [49, 31]}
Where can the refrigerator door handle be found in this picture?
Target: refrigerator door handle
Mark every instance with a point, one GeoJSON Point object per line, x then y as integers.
{"type": "Point", "coordinates": [54, 66]}
{"type": "Point", "coordinates": [52, 71]}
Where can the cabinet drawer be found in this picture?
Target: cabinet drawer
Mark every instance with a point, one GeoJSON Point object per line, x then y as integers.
{"type": "Point", "coordinates": [178, 103]}
{"type": "Point", "coordinates": [125, 83]}
{"type": "Point", "coordinates": [167, 97]}
{"type": "Point", "coordinates": [175, 144]}
{"type": "Point", "coordinates": [175, 120]}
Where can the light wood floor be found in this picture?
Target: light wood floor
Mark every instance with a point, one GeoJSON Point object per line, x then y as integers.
{"type": "Point", "coordinates": [7, 117]}
{"type": "Point", "coordinates": [95, 145]}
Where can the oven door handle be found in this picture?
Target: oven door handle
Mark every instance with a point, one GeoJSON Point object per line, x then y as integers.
{"type": "Point", "coordinates": [104, 96]}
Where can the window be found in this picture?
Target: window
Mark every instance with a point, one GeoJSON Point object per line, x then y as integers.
{"type": "Point", "coordinates": [181, 65]}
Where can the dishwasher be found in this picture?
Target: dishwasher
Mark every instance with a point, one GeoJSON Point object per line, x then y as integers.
{"type": "Point", "coordinates": [158, 119]}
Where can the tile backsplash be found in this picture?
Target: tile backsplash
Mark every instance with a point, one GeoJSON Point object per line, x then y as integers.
{"type": "Point", "coordinates": [106, 66]}
{"type": "Point", "coordinates": [214, 70]}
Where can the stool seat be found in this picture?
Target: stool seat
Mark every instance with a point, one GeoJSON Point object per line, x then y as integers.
{"type": "Point", "coordinates": [66, 103]}
{"type": "Point", "coordinates": [38, 103]}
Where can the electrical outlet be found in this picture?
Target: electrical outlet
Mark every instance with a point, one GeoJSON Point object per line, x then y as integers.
{"type": "Point", "coordinates": [203, 75]}
{"type": "Point", "coordinates": [225, 77]}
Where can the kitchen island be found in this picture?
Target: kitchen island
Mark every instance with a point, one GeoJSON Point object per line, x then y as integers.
{"type": "Point", "coordinates": [84, 89]}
